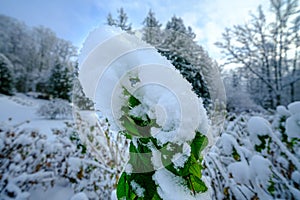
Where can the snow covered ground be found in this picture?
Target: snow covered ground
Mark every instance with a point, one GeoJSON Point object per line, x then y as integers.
{"type": "Point", "coordinates": [22, 110]}
{"type": "Point", "coordinates": [254, 157]}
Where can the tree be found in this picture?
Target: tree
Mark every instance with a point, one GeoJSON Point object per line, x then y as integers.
{"type": "Point", "coordinates": [6, 76]}
{"type": "Point", "coordinates": [268, 50]}
{"type": "Point", "coordinates": [186, 55]}
{"type": "Point", "coordinates": [121, 20]}
{"type": "Point", "coordinates": [151, 30]}
{"type": "Point", "coordinates": [60, 83]}
{"type": "Point", "coordinates": [33, 53]}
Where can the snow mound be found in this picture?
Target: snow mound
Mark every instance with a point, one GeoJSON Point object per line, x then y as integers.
{"type": "Point", "coordinates": [240, 172]}
{"type": "Point", "coordinates": [293, 122]}
{"type": "Point", "coordinates": [294, 107]}
{"type": "Point", "coordinates": [259, 169]}
{"type": "Point", "coordinates": [281, 110]}
{"type": "Point", "coordinates": [259, 126]}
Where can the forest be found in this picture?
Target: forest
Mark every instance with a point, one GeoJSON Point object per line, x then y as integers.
{"type": "Point", "coordinates": [152, 115]}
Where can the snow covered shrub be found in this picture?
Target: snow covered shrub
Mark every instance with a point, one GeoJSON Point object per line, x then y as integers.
{"type": "Point", "coordinates": [29, 160]}
{"type": "Point", "coordinates": [55, 109]}
{"type": "Point", "coordinates": [257, 158]}
{"type": "Point", "coordinates": [109, 149]}
{"type": "Point", "coordinates": [148, 101]}
{"type": "Point", "coordinates": [23, 163]}
{"type": "Point", "coordinates": [158, 161]}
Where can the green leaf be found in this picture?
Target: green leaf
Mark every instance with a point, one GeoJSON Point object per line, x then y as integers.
{"type": "Point", "coordinates": [198, 144]}
{"type": "Point", "coordinates": [156, 197]}
{"type": "Point", "coordinates": [195, 170]}
{"type": "Point", "coordinates": [123, 186]}
{"type": "Point", "coordinates": [130, 126]}
{"type": "Point", "coordinates": [132, 101]}
{"type": "Point", "coordinates": [197, 185]}
{"type": "Point", "coordinates": [140, 158]}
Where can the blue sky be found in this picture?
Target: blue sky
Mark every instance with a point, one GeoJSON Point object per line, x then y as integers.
{"type": "Point", "coordinates": [73, 19]}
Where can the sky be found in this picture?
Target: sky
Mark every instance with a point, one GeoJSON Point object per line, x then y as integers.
{"type": "Point", "coordinates": [74, 19]}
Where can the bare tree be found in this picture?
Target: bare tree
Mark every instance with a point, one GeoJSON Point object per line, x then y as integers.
{"type": "Point", "coordinates": [268, 50]}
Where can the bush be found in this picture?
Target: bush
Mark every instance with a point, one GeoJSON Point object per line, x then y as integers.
{"type": "Point", "coordinates": [257, 157]}
{"type": "Point", "coordinates": [28, 161]}
{"type": "Point", "coordinates": [55, 109]}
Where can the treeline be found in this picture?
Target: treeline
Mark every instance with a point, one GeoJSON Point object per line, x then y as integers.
{"type": "Point", "coordinates": [176, 42]}
{"type": "Point", "coordinates": [42, 62]}
{"type": "Point", "coordinates": [35, 60]}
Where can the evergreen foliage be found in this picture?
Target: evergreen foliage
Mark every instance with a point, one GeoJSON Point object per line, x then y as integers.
{"type": "Point", "coordinates": [6, 76]}
{"type": "Point", "coordinates": [121, 20]}
{"type": "Point", "coordinates": [60, 83]}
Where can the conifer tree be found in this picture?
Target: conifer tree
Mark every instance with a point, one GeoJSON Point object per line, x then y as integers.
{"type": "Point", "coordinates": [121, 21]}
{"type": "Point", "coordinates": [60, 82]}
{"type": "Point", "coordinates": [6, 77]}
{"type": "Point", "coordinates": [151, 30]}
{"type": "Point", "coordinates": [186, 55]}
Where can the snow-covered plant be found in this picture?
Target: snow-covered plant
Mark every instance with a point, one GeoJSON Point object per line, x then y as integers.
{"type": "Point", "coordinates": [145, 177]}
{"type": "Point", "coordinates": [148, 101]}
{"type": "Point", "coordinates": [257, 158]}
{"type": "Point", "coordinates": [55, 109]}
{"type": "Point", "coordinates": [109, 148]}
{"type": "Point", "coordinates": [29, 160]}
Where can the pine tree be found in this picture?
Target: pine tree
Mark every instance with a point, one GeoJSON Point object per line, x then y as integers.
{"type": "Point", "coordinates": [60, 82]}
{"type": "Point", "coordinates": [179, 47]}
{"type": "Point", "coordinates": [6, 77]}
{"type": "Point", "coordinates": [151, 30]}
{"type": "Point", "coordinates": [110, 20]}
{"type": "Point", "coordinates": [121, 21]}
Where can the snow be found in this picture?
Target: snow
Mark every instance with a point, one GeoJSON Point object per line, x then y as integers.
{"type": "Point", "coordinates": [137, 189]}
{"type": "Point", "coordinates": [113, 195]}
{"type": "Point", "coordinates": [227, 143]}
{"type": "Point", "coordinates": [282, 111]}
{"type": "Point", "coordinates": [156, 159]}
{"type": "Point", "coordinates": [115, 60]}
{"type": "Point", "coordinates": [179, 159]}
{"type": "Point", "coordinates": [293, 122]}
{"type": "Point", "coordinates": [258, 126]}
{"type": "Point", "coordinates": [293, 126]}
{"type": "Point", "coordinates": [20, 111]}
{"type": "Point", "coordinates": [259, 169]}
{"type": "Point", "coordinates": [294, 107]}
{"type": "Point", "coordinates": [296, 176]}
{"type": "Point", "coordinates": [240, 172]}
{"type": "Point", "coordinates": [171, 187]}
{"type": "Point", "coordinates": [58, 192]}
{"type": "Point", "coordinates": [80, 196]}
{"type": "Point", "coordinates": [128, 168]}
